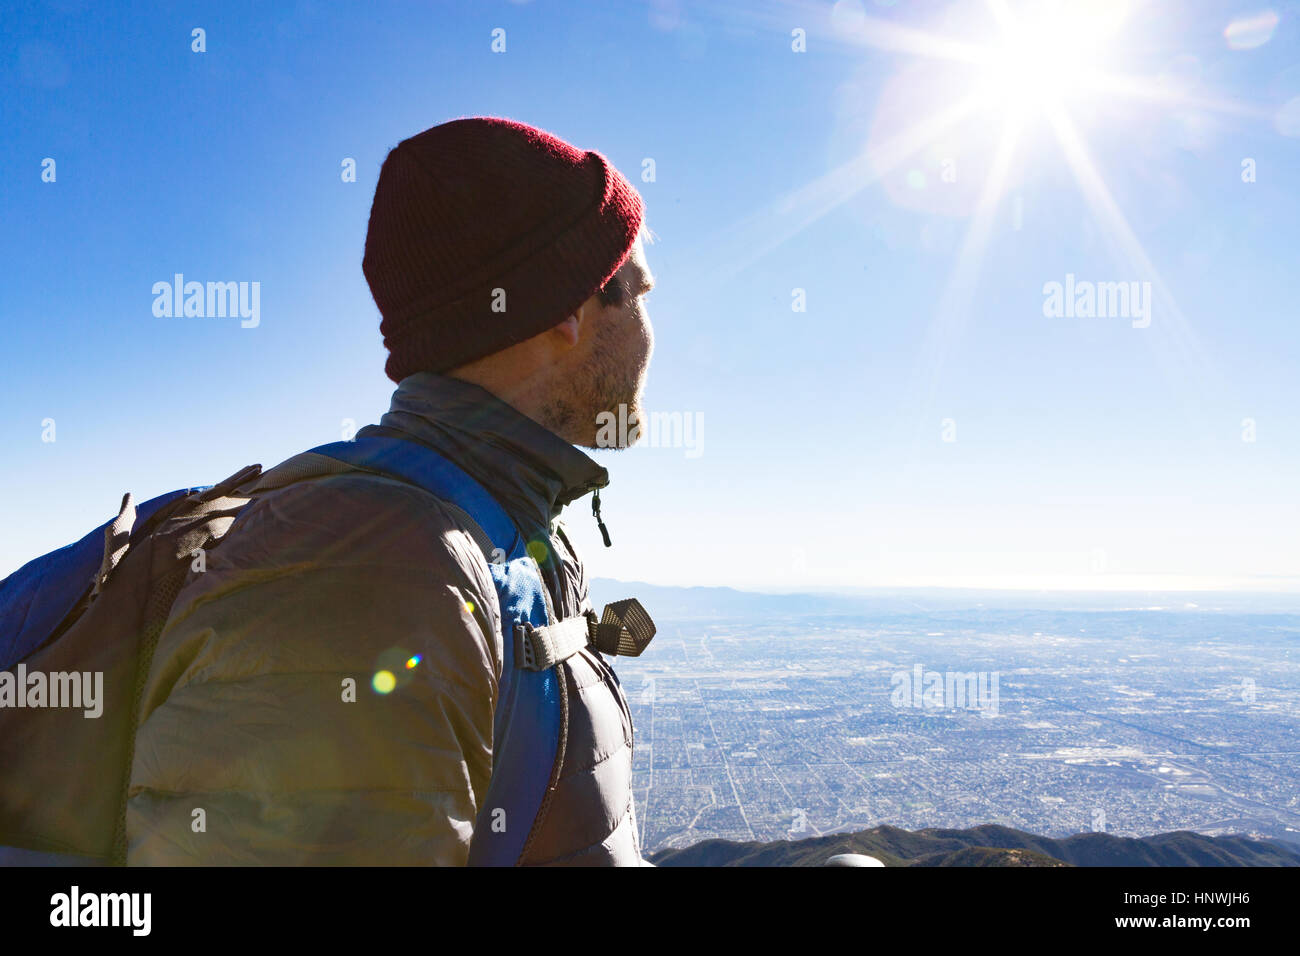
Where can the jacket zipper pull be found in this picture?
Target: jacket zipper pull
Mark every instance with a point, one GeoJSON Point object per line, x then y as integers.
{"type": "Point", "coordinates": [595, 510]}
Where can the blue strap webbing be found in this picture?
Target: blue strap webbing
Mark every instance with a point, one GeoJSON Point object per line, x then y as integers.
{"type": "Point", "coordinates": [420, 465]}
{"type": "Point", "coordinates": [527, 722]}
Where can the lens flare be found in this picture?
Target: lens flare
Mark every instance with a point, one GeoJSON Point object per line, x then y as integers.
{"type": "Point", "coordinates": [1247, 33]}
{"type": "Point", "coordinates": [383, 682]}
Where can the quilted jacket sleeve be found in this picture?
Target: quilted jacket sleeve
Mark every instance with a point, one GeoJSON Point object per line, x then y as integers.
{"type": "Point", "coordinates": [323, 692]}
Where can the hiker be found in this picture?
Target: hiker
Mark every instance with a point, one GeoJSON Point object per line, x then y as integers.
{"type": "Point", "coordinates": [364, 672]}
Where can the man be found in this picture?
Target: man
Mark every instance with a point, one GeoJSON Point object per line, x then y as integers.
{"type": "Point", "coordinates": [509, 271]}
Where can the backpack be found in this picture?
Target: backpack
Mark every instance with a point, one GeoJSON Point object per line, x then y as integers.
{"type": "Point", "coordinates": [99, 606]}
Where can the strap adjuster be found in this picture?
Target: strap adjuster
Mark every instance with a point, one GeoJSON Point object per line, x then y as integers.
{"type": "Point", "coordinates": [540, 648]}
{"type": "Point", "coordinates": [624, 629]}
{"type": "Point", "coordinates": [524, 656]}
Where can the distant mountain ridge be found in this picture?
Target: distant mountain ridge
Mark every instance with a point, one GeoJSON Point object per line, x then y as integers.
{"type": "Point", "coordinates": [685, 603]}
{"type": "Point", "coordinates": [677, 603]}
{"type": "Point", "coordinates": [989, 845]}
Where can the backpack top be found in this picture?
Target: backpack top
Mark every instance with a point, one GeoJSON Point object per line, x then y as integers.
{"type": "Point", "coordinates": [37, 597]}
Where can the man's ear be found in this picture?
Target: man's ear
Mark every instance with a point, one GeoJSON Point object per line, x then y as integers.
{"type": "Point", "coordinates": [569, 328]}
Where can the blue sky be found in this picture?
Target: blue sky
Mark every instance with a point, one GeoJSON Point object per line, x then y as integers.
{"type": "Point", "coordinates": [871, 171]}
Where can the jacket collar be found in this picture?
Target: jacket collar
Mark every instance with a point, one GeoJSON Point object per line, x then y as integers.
{"type": "Point", "coordinates": [529, 469]}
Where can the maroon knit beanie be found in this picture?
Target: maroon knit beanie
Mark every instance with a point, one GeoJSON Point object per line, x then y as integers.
{"type": "Point", "coordinates": [476, 205]}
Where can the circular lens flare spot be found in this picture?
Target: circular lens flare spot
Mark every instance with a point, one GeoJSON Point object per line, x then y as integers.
{"type": "Point", "coordinates": [383, 682]}
{"type": "Point", "coordinates": [538, 550]}
{"type": "Point", "coordinates": [412, 661]}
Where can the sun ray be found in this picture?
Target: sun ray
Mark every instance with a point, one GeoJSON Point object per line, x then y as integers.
{"type": "Point", "coordinates": [796, 211]}
{"type": "Point", "coordinates": [954, 305]}
{"type": "Point", "coordinates": [1177, 330]}
{"type": "Point", "coordinates": [892, 38]}
{"type": "Point", "coordinates": [1147, 90]}
{"type": "Point", "coordinates": [866, 30]}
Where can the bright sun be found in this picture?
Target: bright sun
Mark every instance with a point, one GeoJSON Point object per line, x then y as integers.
{"type": "Point", "coordinates": [1033, 63]}
{"type": "Point", "coordinates": [1057, 53]}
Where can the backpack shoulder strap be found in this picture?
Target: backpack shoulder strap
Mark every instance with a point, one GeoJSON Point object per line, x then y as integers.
{"type": "Point", "coordinates": [624, 629]}
{"type": "Point", "coordinates": [529, 726]}
{"type": "Point", "coordinates": [412, 464]}
{"type": "Point", "coordinates": [530, 717]}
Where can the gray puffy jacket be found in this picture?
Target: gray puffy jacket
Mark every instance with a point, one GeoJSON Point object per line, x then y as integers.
{"type": "Point", "coordinates": [318, 581]}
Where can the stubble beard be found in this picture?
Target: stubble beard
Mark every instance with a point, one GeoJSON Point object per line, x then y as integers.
{"type": "Point", "coordinates": [602, 385]}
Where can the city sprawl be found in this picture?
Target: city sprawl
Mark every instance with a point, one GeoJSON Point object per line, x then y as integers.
{"type": "Point", "coordinates": [1132, 722]}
